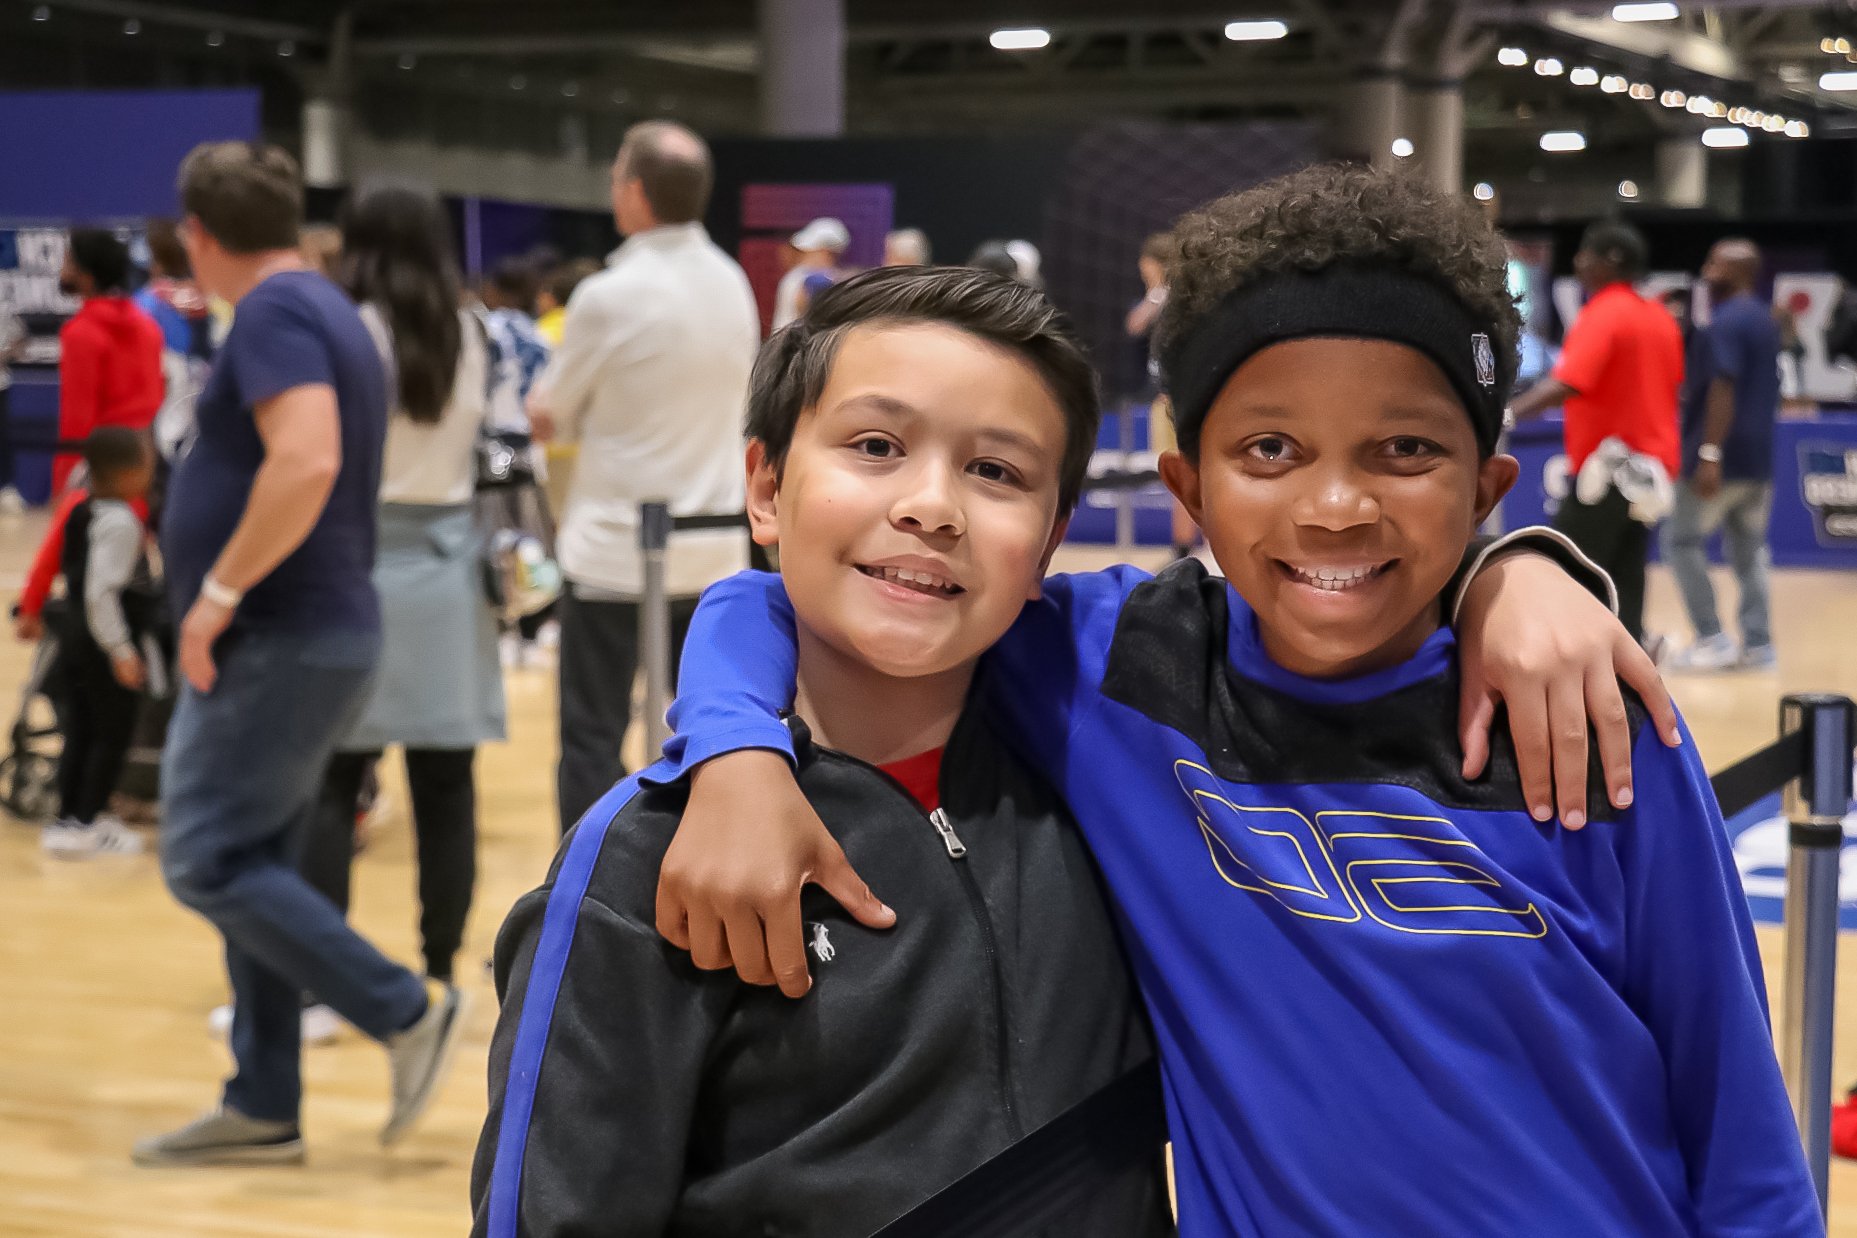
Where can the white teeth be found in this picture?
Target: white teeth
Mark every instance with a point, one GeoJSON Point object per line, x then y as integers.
{"type": "Point", "coordinates": [907, 576]}
{"type": "Point", "coordinates": [1334, 579]}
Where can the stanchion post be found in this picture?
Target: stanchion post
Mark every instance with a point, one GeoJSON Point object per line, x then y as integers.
{"type": "Point", "coordinates": [1816, 803]}
{"type": "Point", "coordinates": [654, 535]}
{"type": "Point", "coordinates": [1125, 498]}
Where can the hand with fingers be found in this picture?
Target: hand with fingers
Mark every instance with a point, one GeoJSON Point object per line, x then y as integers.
{"type": "Point", "coordinates": [1534, 640]}
{"type": "Point", "coordinates": [729, 890]}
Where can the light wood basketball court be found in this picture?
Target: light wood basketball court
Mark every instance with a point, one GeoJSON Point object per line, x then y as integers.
{"type": "Point", "coordinates": [105, 984]}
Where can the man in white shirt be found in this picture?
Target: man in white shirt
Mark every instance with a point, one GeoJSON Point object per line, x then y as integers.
{"type": "Point", "coordinates": [650, 378]}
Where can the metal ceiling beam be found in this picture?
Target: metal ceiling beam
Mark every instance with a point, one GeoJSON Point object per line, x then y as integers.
{"type": "Point", "coordinates": [197, 19]}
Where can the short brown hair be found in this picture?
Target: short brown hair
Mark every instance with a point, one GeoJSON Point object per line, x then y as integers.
{"type": "Point", "coordinates": [673, 165]}
{"type": "Point", "coordinates": [165, 251]}
{"type": "Point", "coordinates": [248, 197]}
{"type": "Point", "coordinates": [791, 371]}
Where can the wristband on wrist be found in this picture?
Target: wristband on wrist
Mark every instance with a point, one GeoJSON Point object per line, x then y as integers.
{"type": "Point", "coordinates": [1709, 453]}
{"type": "Point", "coordinates": [220, 595]}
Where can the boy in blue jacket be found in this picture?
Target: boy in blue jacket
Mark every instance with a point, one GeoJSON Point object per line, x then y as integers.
{"type": "Point", "coordinates": [1387, 1001]}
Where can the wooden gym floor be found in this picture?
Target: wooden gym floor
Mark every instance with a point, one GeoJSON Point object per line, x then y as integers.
{"type": "Point", "coordinates": [105, 983]}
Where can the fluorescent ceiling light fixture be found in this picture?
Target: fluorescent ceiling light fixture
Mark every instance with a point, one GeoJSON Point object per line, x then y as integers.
{"type": "Point", "coordinates": [1643, 90]}
{"type": "Point", "coordinates": [1514, 57]}
{"type": "Point", "coordinates": [1774, 123]}
{"type": "Point", "coordinates": [1628, 189]}
{"type": "Point", "coordinates": [1673, 98]}
{"type": "Point", "coordinates": [1563, 141]}
{"type": "Point", "coordinates": [1584, 75]}
{"type": "Point", "coordinates": [1718, 110]}
{"type": "Point", "coordinates": [1484, 192]}
{"type": "Point", "coordinates": [1254, 31]}
{"type": "Point", "coordinates": [1837, 81]}
{"type": "Point", "coordinates": [1029, 39]}
{"type": "Point", "coordinates": [1697, 105]}
{"type": "Point", "coordinates": [1614, 84]}
{"type": "Point", "coordinates": [1725, 137]}
{"type": "Point", "coordinates": [1547, 66]}
{"type": "Point", "coordinates": [1402, 147]}
{"type": "Point", "coordinates": [1644, 12]}
{"type": "Point", "coordinates": [1798, 129]}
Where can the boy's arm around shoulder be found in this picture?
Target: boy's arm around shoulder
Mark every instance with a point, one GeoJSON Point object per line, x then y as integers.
{"type": "Point", "coordinates": [1693, 974]}
{"type": "Point", "coordinates": [730, 887]}
{"type": "Point", "coordinates": [596, 1064]}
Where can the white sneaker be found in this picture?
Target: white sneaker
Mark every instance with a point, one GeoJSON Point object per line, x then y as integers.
{"type": "Point", "coordinates": [321, 1025]}
{"type": "Point", "coordinates": [69, 840]}
{"type": "Point", "coordinates": [1715, 653]}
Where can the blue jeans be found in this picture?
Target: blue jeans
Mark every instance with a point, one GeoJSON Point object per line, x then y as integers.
{"type": "Point", "coordinates": [1740, 509]}
{"type": "Point", "coordinates": [239, 779]}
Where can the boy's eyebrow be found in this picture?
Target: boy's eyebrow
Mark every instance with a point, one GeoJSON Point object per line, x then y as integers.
{"type": "Point", "coordinates": [880, 403]}
{"type": "Point", "coordinates": [1012, 438]}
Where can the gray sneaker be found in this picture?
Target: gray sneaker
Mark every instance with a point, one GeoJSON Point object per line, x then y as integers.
{"type": "Point", "coordinates": [418, 1056]}
{"type": "Point", "coordinates": [224, 1137]}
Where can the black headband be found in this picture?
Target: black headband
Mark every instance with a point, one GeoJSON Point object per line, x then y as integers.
{"type": "Point", "coordinates": [1339, 301]}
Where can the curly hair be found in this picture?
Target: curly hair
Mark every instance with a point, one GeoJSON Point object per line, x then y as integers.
{"type": "Point", "coordinates": [1342, 213]}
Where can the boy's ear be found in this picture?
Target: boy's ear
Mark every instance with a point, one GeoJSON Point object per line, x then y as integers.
{"type": "Point", "coordinates": [1044, 564]}
{"type": "Point", "coordinates": [1495, 477]}
{"type": "Point", "coordinates": [1182, 477]}
{"type": "Point", "coordinates": [763, 490]}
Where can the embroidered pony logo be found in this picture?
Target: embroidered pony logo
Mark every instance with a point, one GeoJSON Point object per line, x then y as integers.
{"type": "Point", "coordinates": [822, 947]}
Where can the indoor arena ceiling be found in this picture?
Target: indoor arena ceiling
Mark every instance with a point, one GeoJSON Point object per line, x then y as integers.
{"type": "Point", "coordinates": [926, 65]}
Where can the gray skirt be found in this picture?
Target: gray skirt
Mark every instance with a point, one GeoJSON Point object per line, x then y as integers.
{"type": "Point", "coordinates": [440, 683]}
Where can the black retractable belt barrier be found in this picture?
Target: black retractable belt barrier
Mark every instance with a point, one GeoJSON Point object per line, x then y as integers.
{"type": "Point", "coordinates": [1057, 1166]}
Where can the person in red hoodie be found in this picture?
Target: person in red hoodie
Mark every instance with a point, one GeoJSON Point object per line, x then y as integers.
{"type": "Point", "coordinates": [109, 366]}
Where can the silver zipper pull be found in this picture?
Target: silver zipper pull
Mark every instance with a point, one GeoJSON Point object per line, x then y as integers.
{"type": "Point", "coordinates": [949, 839]}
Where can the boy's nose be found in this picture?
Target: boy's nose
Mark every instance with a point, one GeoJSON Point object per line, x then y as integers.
{"type": "Point", "coordinates": [1337, 503]}
{"type": "Point", "coordinates": [930, 504]}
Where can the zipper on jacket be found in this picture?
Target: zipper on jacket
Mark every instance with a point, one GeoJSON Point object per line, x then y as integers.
{"type": "Point", "coordinates": [989, 943]}
{"type": "Point", "coordinates": [949, 839]}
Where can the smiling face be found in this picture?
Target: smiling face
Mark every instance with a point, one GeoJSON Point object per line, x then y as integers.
{"type": "Point", "coordinates": [916, 509]}
{"type": "Point", "coordinates": [1338, 484]}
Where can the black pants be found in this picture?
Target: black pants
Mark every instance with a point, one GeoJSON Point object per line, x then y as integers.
{"type": "Point", "coordinates": [1608, 536]}
{"type": "Point", "coordinates": [444, 795]}
{"type": "Point", "coordinates": [99, 721]}
{"type": "Point", "coordinates": [599, 659]}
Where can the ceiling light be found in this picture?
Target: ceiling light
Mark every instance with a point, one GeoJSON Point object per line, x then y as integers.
{"type": "Point", "coordinates": [1514, 57]}
{"type": "Point", "coordinates": [1697, 105]}
{"type": "Point", "coordinates": [1249, 31]}
{"type": "Point", "coordinates": [215, 39]}
{"type": "Point", "coordinates": [1792, 73]}
{"type": "Point", "coordinates": [1718, 110]}
{"type": "Point", "coordinates": [1774, 124]}
{"type": "Point", "coordinates": [132, 26]}
{"type": "Point", "coordinates": [1584, 75]}
{"type": "Point", "coordinates": [1643, 90]}
{"type": "Point", "coordinates": [1837, 81]}
{"type": "Point", "coordinates": [286, 48]}
{"type": "Point", "coordinates": [1402, 147]}
{"type": "Point", "coordinates": [1644, 12]}
{"type": "Point", "coordinates": [1563, 141]}
{"type": "Point", "coordinates": [570, 89]}
{"type": "Point", "coordinates": [1673, 98]}
{"type": "Point", "coordinates": [1827, 45]}
{"type": "Point", "coordinates": [1614, 84]}
{"type": "Point", "coordinates": [1842, 46]}
{"type": "Point", "coordinates": [408, 60]}
{"type": "Point", "coordinates": [42, 13]}
{"type": "Point", "coordinates": [1484, 192]}
{"type": "Point", "coordinates": [518, 82]}
{"type": "Point", "coordinates": [1628, 189]}
{"type": "Point", "coordinates": [1725, 137]}
{"type": "Point", "coordinates": [1547, 66]}
{"type": "Point", "coordinates": [1028, 39]}
{"type": "Point", "coordinates": [1798, 129]}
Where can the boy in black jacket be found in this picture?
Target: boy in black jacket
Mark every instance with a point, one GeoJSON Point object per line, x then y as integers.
{"type": "Point", "coordinates": [917, 444]}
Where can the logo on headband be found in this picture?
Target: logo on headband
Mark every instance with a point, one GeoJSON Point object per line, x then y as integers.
{"type": "Point", "coordinates": [1485, 357]}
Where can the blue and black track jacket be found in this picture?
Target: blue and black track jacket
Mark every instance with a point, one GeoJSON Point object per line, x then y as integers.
{"type": "Point", "coordinates": [632, 1094]}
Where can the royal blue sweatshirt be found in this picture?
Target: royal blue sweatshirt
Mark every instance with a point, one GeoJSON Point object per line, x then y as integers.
{"type": "Point", "coordinates": [1387, 1000]}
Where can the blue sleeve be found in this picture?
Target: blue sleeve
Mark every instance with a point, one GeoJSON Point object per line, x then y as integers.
{"type": "Point", "coordinates": [1730, 343]}
{"type": "Point", "coordinates": [1693, 975]}
{"type": "Point", "coordinates": [274, 346]}
{"type": "Point", "coordinates": [740, 661]}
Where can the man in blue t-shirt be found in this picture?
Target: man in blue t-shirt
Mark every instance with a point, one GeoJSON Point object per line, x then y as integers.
{"type": "Point", "coordinates": [269, 540]}
{"type": "Point", "coordinates": [1731, 394]}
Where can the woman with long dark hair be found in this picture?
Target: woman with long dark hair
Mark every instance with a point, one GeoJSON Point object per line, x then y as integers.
{"type": "Point", "coordinates": [440, 691]}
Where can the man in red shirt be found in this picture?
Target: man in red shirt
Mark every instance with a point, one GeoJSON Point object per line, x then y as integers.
{"type": "Point", "coordinates": [109, 354]}
{"type": "Point", "coordinates": [1619, 371]}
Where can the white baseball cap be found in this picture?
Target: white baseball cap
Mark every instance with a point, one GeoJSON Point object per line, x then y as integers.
{"type": "Point", "coordinates": [824, 233]}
